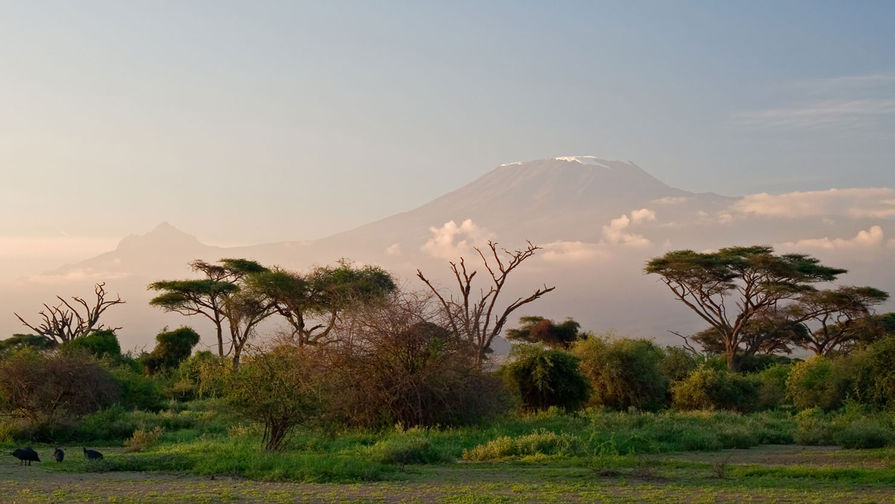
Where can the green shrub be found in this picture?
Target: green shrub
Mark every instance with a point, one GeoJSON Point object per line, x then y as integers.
{"type": "Point", "coordinates": [172, 348]}
{"type": "Point", "coordinates": [18, 342]}
{"type": "Point", "coordinates": [816, 383]}
{"type": "Point", "coordinates": [540, 442]}
{"type": "Point", "coordinates": [864, 433]}
{"type": "Point", "coordinates": [874, 366]}
{"type": "Point", "coordinates": [280, 389]}
{"type": "Point", "coordinates": [50, 391]}
{"type": "Point", "coordinates": [772, 386]}
{"type": "Point", "coordinates": [100, 344]}
{"type": "Point", "coordinates": [406, 449]}
{"type": "Point", "coordinates": [678, 363]}
{"type": "Point", "coordinates": [138, 390]}
{"type": "Point", "coordinates": [143, 438]}
{"type": "Point", "coordinates": [623, 373]}
{"type": "Point", "coordinates": [812, 428]}
{"type": "Point", "coordinates": [545, 378]}
{"type": "Point", "coordinates": [709, 388]}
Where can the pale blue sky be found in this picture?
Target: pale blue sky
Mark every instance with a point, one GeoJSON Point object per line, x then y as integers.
{"type": "Point", "coordinates": [257, 121]}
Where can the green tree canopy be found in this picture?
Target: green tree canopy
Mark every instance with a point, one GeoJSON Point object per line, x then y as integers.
{"type": "Point", "coordinates": [730, 287]}
{"type": "Point", "coordinates": [312, 303]}
{"type": "Point", "coordinates": [220, 298]}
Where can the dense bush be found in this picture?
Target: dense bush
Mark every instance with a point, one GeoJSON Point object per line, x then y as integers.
{"type": "Point", "coordinates": [18, 342]}
{"type": "Point", "coordinates": [623, 373]}
{"type": "Point", "coordinates": [876, 372]}
{"type": "Point", "coordinates": [50, 389]}
{"type": "Point", "coordinates": [279, 389]}
{"type": "Point", "coordinates": [817, 382]}
{"type": "Point", "coordinates": [544, 378]}
{"type": "Point", "coordinates": [100, 344]}
{"type": "Point", "coordinates": [678, 363]}
{"type": "Point", "coordinates": [772, 386]}
{"type": "Point", "coordinates": [138, 390]}
{"type": "Point", "coordinates": [172, 348]}
{"type": "Point", "coordinates": [710, 388]}
{"type": "Point", "coordinates": [393, 365]}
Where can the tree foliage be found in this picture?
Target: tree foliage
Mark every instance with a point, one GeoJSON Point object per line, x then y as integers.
{"type": "Point", "coordinates": [100, 344]}
{"type": "Point", "coordinates": [171, 348]}
{"type": "Point", "coordinates": [544, 378]}
{"type": "Point", "coordinates": [838, 319]}
{"type": "Point", "coordinates": [623, 373]}
{"type": "Point", "coordinates": [280, 389]}
{"type": "Point", "coordinates": [47, 388]}
{"type": "Point", "coordinates": [18, 342]}
{"type": "Point", "coordinates": [710, 389]}
{"type": "Point", "coordinates": [220, 297]}
{"type": "Point", "coordinates": [312, 303]}
{"type": "Point", "coordinates": [394, 363]}
{"type": "Point", "coordinates": [547, 332]}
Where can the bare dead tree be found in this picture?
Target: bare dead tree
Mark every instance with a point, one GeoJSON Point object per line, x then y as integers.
{"type": "Point", "coordinates": [73, 319]}
{"type": "Point", "coordinates": [479, 321]}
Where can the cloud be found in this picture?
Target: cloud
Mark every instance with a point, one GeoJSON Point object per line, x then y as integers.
{"type": "Point", "coordinates": [876, 202]}
{"type": "Point", "coordinates": [872, 237]}
{"type": "Point", "coordinates": [572, 251]}
{"type": "Point", "coordinates": [451, 240]}
{"type": "Point", "coordinates": [671, 200]}
{"type": "Point", "coordinates": [846, 83]}
{"type": "Point", "coordinates": [827, 113]}
{"type": "Point", "coordinates": [393, 250]}
{"type": "Point", "coordinates": [643, 215]}
{"type": "Point", "coordinates": [617, 231]}
{"type": "Point", "coordinates": [840, 102]}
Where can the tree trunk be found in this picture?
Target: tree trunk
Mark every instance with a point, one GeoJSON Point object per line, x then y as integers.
{"type": "Point", "coordinates": [730, 352]}
{"type": "Point", "coordinates": [237, 351]}
{"type": "Point", "coordinates": [220, 334]}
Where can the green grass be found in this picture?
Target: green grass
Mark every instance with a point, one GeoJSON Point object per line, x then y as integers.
{"type": "Point", "coordinates": [200, 438]}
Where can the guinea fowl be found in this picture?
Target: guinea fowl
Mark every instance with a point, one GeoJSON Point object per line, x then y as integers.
{"type": "Point", "coordinates": [26, 455]}
{"type": "Point", "coordinates": [58, 454]}
{"type": "Point", "coordinates": [92, 454]}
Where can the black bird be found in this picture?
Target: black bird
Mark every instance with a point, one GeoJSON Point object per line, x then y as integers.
{"type": "Point", "coordinates": [58, 454]}
{"type": "Point", "coordinates": [92, 454]}
{"type": "Point", "coordinates": [26, 455]}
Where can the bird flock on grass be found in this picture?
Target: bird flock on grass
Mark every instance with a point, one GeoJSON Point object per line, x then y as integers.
{"type": "Point", "coordinates": [27, 455]}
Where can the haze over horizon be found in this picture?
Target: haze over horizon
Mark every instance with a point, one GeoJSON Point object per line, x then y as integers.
{"type": "Point", "coordinates": [402, 133]}
{"type": "Point", "coordinates": [320, 117]}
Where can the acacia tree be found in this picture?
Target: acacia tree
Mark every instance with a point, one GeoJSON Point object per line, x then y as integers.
{"type": "Point", "coordinates": [73, 319]}
{"type": "Point", "coordinates": [281, 389]}
{"type": "Point", "coordinates": [479, 320]}
{"type": "Point", "coordinates": [313, 303]}
{"type": "Point", "coordinates": [730, 287]}
{"type": "Point", "coordinates": [836, 318]}
{"type": "Point", "coordinates": [215, 297]}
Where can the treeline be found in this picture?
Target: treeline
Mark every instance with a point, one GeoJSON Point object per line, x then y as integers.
{"type": "Point", "coordinates": [355, 350]}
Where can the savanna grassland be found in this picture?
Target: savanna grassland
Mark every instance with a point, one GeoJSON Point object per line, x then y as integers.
{"type": "Point", "coordinates": [547, 457]}
{"type": "Point", "coordinates": [373, 393]}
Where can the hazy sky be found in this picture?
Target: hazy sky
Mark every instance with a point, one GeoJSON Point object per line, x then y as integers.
{"type": "Point", "coordinates": [245, 122]}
